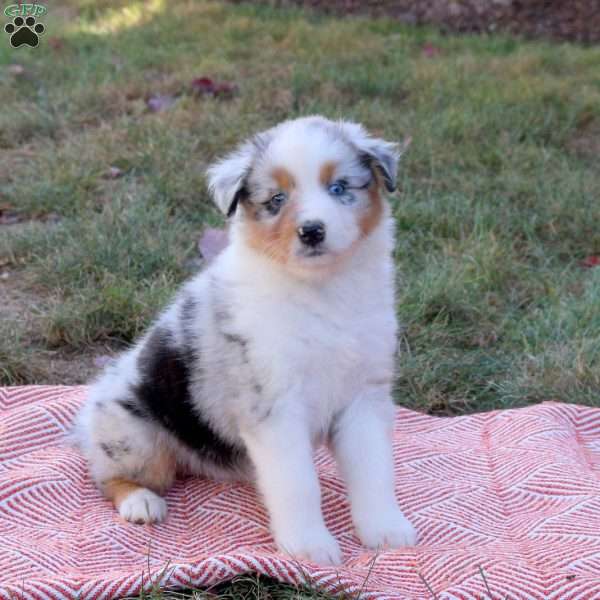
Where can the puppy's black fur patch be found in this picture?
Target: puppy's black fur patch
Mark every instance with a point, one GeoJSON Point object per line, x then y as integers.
{"type": "Point", "coordinates": [240, 196]}
{"type": "Point", "coordinates": [163, 394]}
{"type": "Point", "coordinates": [132, 406]}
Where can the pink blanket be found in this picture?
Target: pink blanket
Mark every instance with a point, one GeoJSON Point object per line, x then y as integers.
{"type": "Point", "coordinates": [506, 502]}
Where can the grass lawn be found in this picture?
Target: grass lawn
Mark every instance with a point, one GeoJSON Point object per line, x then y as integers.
{"type": "Point", "coordinates": [498, 207]}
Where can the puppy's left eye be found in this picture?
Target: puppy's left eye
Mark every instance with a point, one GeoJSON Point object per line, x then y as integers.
{"type": "Point", "coordinates": [337, 188]}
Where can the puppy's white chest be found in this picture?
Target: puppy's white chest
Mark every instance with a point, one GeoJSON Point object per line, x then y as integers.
{"type": "Point", "coordinates": [314, 357]}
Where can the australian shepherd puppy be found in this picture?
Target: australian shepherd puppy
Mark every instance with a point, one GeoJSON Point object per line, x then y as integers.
{"type": "Point", "coordinates": [285, 341]}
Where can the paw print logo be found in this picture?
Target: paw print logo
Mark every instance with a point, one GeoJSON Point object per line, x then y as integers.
{"type": "Point", "coordinates": [24, 31]}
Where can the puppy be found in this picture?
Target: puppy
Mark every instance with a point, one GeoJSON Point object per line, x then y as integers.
{"type": "Point", "coordinates": [285, 341]}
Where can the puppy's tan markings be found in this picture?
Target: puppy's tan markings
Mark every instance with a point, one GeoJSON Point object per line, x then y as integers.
{"type": "Point", "coordinates": [118, 490]}
{"type": "Point", "coordinates": [160, 472]}
{"type": "Point", "coordinates": [326, 172]}
{"type": "Point", "coordinates": [274, 238]}
{"type": "Point", "coordinates": [156, 476]}
{"type": "Point", "coordinates": [371, 218]}
{"type": "Point", "coordinates": [284, 179]}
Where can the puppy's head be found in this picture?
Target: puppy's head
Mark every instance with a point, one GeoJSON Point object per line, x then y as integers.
{"type": "Point", "coordinates": [306, 192]}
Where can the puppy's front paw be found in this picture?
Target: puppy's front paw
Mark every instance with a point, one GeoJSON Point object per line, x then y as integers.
{"type": "Point", "coordinates": [318, 546]}
{"type": "Point", "coordinates": [387, 528]}
{"type": "Point", "coordinates": [143, 506]}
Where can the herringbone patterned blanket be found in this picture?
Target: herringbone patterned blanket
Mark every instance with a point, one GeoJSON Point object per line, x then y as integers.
{"type": "Point", "coordinates": [506, 503]}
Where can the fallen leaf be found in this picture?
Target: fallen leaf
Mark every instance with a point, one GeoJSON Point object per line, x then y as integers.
{"type": "Point", "coordinates": [113, 173]}
{"type": "Point", "coordinates": [591, 261]}
{"type": "Point", "coordinates": [430, 51]}
{"type": "Point", "coordinates": [205, 86]}
{"type": "Point", "coordinates": [56, 43]}
{"type": "Point", "coordinates": [10, 217]}
{"type": "Point", "coordinates": [160, 103]}
{"type": "Point", "coordinates": [212, 242]}
{"type": "Point", "coordinates": [16, 69]}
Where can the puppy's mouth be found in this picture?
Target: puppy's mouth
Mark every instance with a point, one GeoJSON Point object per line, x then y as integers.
{"type": "Point", "coordinates": [312, 252]}
{"type": "Point", "coordinates": [314, 258]}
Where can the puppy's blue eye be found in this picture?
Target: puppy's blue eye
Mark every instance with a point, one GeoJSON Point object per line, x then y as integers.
{"type": "Point", "coordinates": [337, 188]}
{"type": "Point", "coordinates": [274, 203]}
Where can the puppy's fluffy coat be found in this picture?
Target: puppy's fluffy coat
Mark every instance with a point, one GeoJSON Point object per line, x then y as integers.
{"type": "Point", "coordinates": [286, 340]}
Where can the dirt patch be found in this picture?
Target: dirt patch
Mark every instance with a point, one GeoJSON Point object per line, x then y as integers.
{"type": "Point", "coordinates": [22, 358]}
{"type": "Point", "coordinates": [571, 20]}
{"type": "Point", "coordinates": [586, 143]}
{"type": "Point", "coordinates": [68, 370]}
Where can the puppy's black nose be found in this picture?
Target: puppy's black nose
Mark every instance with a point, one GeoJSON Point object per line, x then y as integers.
{"type": "Point", "coordinates": [311, 233]}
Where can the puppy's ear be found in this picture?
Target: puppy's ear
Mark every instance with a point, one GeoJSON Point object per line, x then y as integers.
{"type": "Point", "coordinates": [377, 153]}
{"type": "Point", "coordinates": [227, 177]}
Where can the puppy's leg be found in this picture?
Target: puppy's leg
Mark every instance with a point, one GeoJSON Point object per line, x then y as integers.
{"type": "Point", "coordinates": [362, 443]}
{"type": "Point", "coordinates": [283, 458]}
{"type": "Point", "coordinates": [134, 502]}
{"type": "Point", "coordinates": [129, 459]}
{"type": "Point", "coordinates": [136, 494]}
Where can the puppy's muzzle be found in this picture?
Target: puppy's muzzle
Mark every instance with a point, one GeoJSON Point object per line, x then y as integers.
{"type": "Point", "coordinates": [311, 233]}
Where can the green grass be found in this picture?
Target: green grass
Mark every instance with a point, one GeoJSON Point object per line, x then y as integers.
{"type": "Point", "coordinates": [244, 587]}
{"type": "Point", "coordinates": [498, 201]}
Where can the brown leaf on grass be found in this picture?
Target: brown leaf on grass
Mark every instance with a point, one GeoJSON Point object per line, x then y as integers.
{"type": "Point", "coordinates": [56, 43]}
{"type": "Point", "coordinates": [591, 261]}
{"type": "Point", "coordinates": [113, 173]}
{"type": "Point", "coordinates": [8, 215]}
{"type": "Point", "coordinates": [16, 69]}
{"type": "Point", "coordinates": [10, 219]}
{"type": "Point", "coordinates": [430, 51]}
{"type": "Point", "coordinates": [212, 242]}
{"type": "Point", "coordinates": [160, 102]}
{"type": "Point", "coordinates": [205, 86]}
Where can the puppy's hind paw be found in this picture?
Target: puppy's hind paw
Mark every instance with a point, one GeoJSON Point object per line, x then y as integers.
{"type": "Point", "coordinates": [143, 506]}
